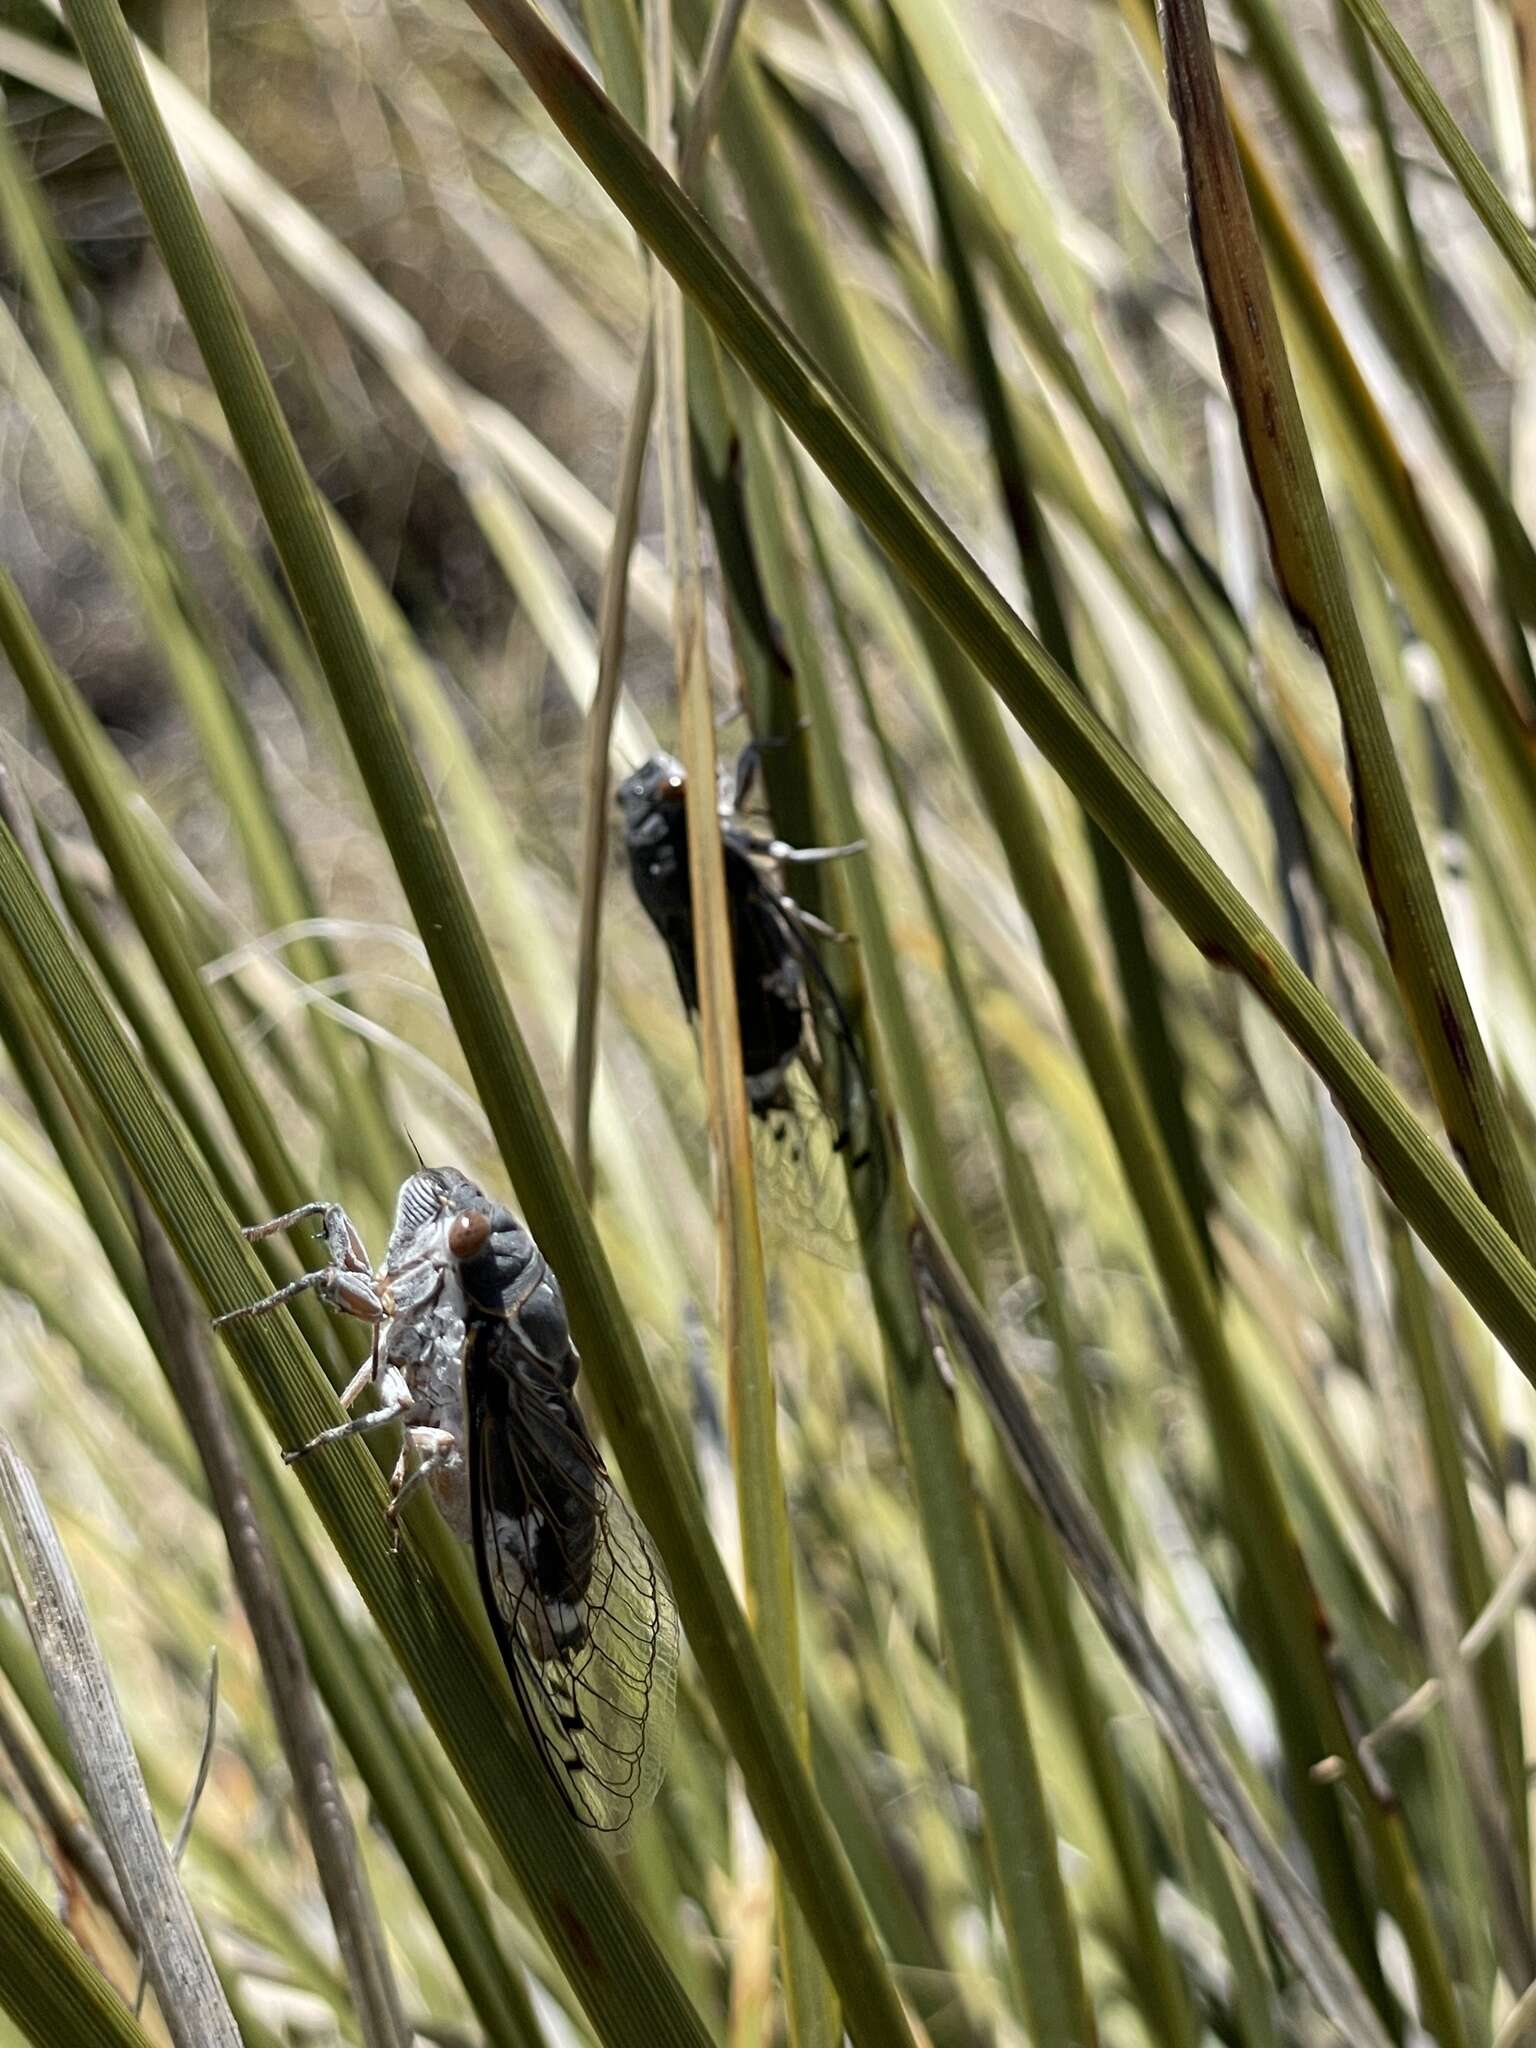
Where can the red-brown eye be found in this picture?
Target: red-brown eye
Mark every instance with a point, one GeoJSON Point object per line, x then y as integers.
{"type": "Point", "coordinates": [468, 1233]}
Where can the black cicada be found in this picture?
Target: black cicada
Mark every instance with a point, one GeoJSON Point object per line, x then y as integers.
{"type": "Point", "coordinates": [806, 1083]}
{"type": "Point", "coordinates": [472, 1352]}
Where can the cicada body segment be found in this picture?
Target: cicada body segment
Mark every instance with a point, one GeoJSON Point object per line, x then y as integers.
{"type": "Point", "coordinates": [769, 995]}
{"type": "Point", "coordinates": [577, 1598]}
{"type": "Point", "coordinates": [473, 1354]}
{"type": "Point", "coordinates": [818, 1127]}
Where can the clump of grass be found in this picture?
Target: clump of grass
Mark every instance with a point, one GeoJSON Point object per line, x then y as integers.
{"type": "Point", "coordinates": [1106, 1607]}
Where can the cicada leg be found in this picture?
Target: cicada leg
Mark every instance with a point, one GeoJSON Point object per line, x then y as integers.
{"type": "Point", "coordinates": [780, 850]}
{"type": "Point", "coordinates": [437, 1450]}
{"type": "Point", "coordinates": [346, 1284]}
{"type": "Point", "coordinates": [395, 1402]}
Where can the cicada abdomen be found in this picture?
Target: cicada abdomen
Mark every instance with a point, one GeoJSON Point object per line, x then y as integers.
{"type": "Point", "coordinates": [576, 1594]}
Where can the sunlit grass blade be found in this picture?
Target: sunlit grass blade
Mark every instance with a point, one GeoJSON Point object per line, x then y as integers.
{"type": "Point", "coordinates": [613, 613]}
{"type": "Point", "coordinates": [493, 1047]}
{"type": "Point", "coordinates": [564, 1874]}
{"type": "Point", "coordinates": [1452, 1222]}
{"type": "Point", "coordinates": [767, 1567]}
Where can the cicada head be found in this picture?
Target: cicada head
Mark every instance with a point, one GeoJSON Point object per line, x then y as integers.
{"type": "Point", "coordinates": [421, 1204]}
{"type": "Point", "coordinates": [442, 1215]}
{"type": "Point", "coordinates": [650, 797]}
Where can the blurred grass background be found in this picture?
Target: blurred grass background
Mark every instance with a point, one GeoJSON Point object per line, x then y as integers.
{"type": "Point", "coordinates": [1310, 1452]}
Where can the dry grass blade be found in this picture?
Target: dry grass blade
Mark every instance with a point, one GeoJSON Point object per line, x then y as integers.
{"type": "Point", "coordinates": [306, 1743]}
{"type": "Point", "coordinates": [1310, 569]}
{"type": "Point", "coordinates": [175, 1954]}
{"type": "Point", "coordinates": [612, 621]}
{"type": "Point", "coordinates": [199, 1785]}
{"type": "Point", "coordinates": [767, 1559]}
{"type": "Point", "coordinates": [1295, 1916]}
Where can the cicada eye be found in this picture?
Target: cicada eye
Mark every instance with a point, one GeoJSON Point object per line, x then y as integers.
{"type": "Point", "coordinates": [468, 1233]}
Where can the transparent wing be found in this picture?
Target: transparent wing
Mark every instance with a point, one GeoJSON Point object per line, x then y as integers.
{"type": "Point", "coordinates": [800, 1171]}
{"type": "Point", "coordinates": [820, 1147]}
{"type": "Point", "coordinates": [588, 1631]}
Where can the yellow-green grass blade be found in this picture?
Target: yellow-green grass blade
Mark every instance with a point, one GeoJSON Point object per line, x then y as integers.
{"type": "Point", "coordinates": [610, 1959]}
{"type": "Point", "coordinates": [496, 1054]}
{"type": "Point", "coordinates": [752, 1408]}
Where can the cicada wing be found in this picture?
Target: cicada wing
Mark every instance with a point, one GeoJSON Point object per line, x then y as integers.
{"type": "Point", "coordinates": [595, 1673]}
{"type": "Point", "coordinates": [800, 1171]}
{"type": "Point", "coordinates": [821, 1143]}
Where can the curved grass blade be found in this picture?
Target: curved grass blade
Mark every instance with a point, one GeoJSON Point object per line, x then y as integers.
{"type": "Point", "coordinates": [1444, 1210]}
{"type": "Point", "coordinates": [497, 1056]}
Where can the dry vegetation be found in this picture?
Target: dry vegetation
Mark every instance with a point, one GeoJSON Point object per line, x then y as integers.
{"type": "Point", "coordinates": [292, 838]}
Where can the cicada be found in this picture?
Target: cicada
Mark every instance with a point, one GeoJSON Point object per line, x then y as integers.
{"type": "Point", "coordinates": [807, 1084]}
{"type": "Point", "coordinates": [472, 1352]}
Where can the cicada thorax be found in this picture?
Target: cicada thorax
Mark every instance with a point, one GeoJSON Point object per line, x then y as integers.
{"type": "Point", "coordinates": [770, 998]}
{"type": "Point", "coordinates": [816, 1120]}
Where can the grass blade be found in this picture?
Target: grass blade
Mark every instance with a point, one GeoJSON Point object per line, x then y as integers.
{"type": "Point", "coordinates": [174, 1953]}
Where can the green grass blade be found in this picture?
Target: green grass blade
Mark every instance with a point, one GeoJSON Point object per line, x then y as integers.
{"type": "Point", "coordinates": [1470, 1243]}
{"type": "Point", "coordinates": [53, 1993]}
{"type": "Point", "coordinates": [493, 1047]}
{"type": "Point", "coordinates": [631, 1996]}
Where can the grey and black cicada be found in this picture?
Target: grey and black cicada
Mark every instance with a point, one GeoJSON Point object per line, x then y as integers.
{"type": "Point", "coordinates": [807, 1085]}
{"type": "Point", "coordinates": [472, 1352]}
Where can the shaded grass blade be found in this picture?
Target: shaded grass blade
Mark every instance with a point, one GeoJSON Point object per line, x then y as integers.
{"type": "Point", "coordinates": [493, 1047]}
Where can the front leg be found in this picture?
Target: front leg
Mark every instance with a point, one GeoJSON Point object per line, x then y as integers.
{"type": "Point", "coordinates": [781, 850]}
{"type": "Point", "coordinates": [395, 1402]}
{"type": "Point", "coordinates": [346, 1284]}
